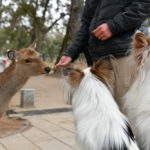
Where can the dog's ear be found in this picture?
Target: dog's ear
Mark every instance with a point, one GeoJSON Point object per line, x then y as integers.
{"type": "Point", "coordinates": [12, 55]}
{"type": "Point", "coordinates": [104, 64]}
{"type": "Point", "coordinates": [103, 69]}
{"type": "Point", "coordinates": [75, 76]}
{"type": "Point", "coordinates": [140, 40]}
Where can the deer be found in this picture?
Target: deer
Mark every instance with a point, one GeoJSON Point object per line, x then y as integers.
{"type": "Point", "coordinates": [24, 64]}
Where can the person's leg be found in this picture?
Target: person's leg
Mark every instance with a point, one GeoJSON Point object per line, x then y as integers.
{"type": "Point", "coordinates": [123, 68]}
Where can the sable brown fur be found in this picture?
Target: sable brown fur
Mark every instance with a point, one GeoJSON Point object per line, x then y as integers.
{"type": "Point", "coordinates": [75, 77]}
{"type": "Point", "coordinates": [103, 69]}
{"type": "Point", "coordinates": [141, 43]}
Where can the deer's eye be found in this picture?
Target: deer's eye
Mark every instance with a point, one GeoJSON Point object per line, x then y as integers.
{"type": "Point", "coordinates": [27, 60]}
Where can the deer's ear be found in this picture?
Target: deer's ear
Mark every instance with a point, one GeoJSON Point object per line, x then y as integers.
{"type": "Point", "coordinates": [33, 45]}
{"type": "Point", "coordinates": [12, 54]}
{"type": "Point", "coordinates": [75, 76]}
{"type": "Point", "coordinates": [140, 40]}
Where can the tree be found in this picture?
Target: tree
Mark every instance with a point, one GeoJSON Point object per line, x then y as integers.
{"type": "Point", "coordinates": [51, 45]}
{"type": "Point", "coordinates": [73, 25]}
{"type": "Point", "coordinates": [38, 17]}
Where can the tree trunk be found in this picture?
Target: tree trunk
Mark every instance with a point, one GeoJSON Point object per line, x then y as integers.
{"type": "Point", "coordinates": [73, 25]}
{"type": "Point", "coordinates": [33, 32]}
{"type": "Point", "coordinates": [40, 40]}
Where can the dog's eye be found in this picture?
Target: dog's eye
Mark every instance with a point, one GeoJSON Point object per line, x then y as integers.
{"type": "Point", "coordinates": [28, 61]}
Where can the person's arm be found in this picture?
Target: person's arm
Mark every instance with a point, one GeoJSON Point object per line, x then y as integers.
{"type": "Point", "coordinates": [82, 37]}
{"type": "Point", "coordinates": [132, 16]}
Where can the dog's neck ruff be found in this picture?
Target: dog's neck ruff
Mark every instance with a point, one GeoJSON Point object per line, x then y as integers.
{"type": "Point", "coordinates": [99, 123]}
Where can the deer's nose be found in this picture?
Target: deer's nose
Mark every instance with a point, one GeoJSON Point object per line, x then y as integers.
{"type": "Point", "coordinates": [47, 69]}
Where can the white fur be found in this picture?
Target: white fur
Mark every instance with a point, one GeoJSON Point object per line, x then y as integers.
{"type": "Point", "coordinates": [99, 123]}
{"type": "Point", "coordinates": [137, 103]}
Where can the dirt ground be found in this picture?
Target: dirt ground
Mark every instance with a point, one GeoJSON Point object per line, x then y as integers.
{"type": "Point", "coordinates": [49, 93]}
{"type": "Point", "coordinates": [9, 126]}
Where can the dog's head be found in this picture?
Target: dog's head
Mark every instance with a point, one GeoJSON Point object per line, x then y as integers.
{"type": "Point", "coordinates": [141, 47]}
{"type": "Point", "coordinates": [102, 69]}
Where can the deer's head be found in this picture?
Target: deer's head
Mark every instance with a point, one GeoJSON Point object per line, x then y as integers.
{"type": "Point", "coordinates": [28, 61]}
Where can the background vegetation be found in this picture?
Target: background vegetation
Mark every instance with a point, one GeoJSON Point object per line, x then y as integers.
{"type": "Point", "coordinates": [45, 22]}
{"type": "Point", "coordinates": [52, 24]}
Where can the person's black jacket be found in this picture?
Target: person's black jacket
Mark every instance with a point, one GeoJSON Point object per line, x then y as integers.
{"type": "Point", "coordinates": [124, 17]}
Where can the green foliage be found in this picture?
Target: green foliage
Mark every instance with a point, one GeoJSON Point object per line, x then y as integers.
{"type": "Point", "coordinates": [17, 39]}
{"type": "Point", "coordinates": [13, 39]}
{"type": "Point", "coordinates": [52, 45]}
{"type": "Point", "coordinates": [25, 21]}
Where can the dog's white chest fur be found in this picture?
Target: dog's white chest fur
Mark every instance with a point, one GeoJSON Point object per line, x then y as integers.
{"type": "Point", "coordinates": [99, 123]}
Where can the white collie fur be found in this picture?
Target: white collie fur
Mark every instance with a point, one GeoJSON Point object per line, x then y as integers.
{"type": "Point", "coordinates": [137, 100]}
{"type": "Point", "coordinates": [99, 123]}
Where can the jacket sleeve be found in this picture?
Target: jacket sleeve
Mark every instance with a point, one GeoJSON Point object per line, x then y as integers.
{"type": "Point", "coordinates": [132, 16]}
{"type": "Point", "coordinates": [82, 37]}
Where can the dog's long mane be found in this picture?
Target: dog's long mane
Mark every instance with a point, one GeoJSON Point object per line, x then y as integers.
{"type": "Point", "coordinates": [99, 123]}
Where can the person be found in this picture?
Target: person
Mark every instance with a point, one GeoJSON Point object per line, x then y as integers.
{"type": "Point", "coordinates": [107, 29]}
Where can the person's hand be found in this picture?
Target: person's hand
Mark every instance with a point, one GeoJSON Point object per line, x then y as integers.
{"type": "Point", "coordinates": [63, 62]}
{"type": "Point", "coordinates": [103, 32]}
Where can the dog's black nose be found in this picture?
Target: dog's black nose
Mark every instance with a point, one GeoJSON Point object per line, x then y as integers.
{"type": "Point", "coordinates": [47, 69]}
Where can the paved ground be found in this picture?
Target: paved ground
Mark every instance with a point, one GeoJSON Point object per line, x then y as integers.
{"type": "Point", "coordinates": [48, 132]}
{"type": "Point", "coordinates": [49, 93]}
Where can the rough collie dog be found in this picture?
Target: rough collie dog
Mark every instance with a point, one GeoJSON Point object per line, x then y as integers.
{"type": "Point", "coordinates": [137, 100]}
{"type": "Point", "coordinates": [99, 123]}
